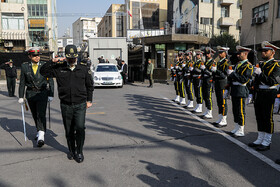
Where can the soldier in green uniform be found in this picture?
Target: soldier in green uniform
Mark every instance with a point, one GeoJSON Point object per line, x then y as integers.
{"type": "Point", "coordinates": [75, 90]}
{"type": "Point", "coordinates": [266, 85]}
{"type": "Point", "coordinates": [220, 79]}
{"type": "Point", "coordinates": [237, 86]}
{"type": "Point", "coordinates": [188, 79]}
{"type": "Point", "coordinates": [197, 81]}
{"type": "Point", "coordinates": [11, 76]}
{"type": "Point", "coordinates": [39, 90]}
{"type": "Point", "coordinates": [150, 71]}
{"type": "Point", "coordinates": [207, 79]}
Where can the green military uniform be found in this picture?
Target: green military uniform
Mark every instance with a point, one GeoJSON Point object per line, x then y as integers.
{"type": "Point", "coordinates": [180, 80]}
{"type": "Point", "coordinates": [38, 89]}
{"type": "Point", "coordinates": [150, 70]}
{"type": "Point", "coordinates": [207, 79]}
{"type": "Point", "coordinates": [197, 81]}
{"type": "Point", "coordinates": [237, 81]}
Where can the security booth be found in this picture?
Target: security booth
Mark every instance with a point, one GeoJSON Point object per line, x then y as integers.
{"type": "Point", "coordinates": [162, 50]}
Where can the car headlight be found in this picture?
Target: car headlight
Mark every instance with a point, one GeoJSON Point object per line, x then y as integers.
{"type": "Point", "coordinates": [96, 78]}
{"type": "Point", "coordinates": [118, 78]}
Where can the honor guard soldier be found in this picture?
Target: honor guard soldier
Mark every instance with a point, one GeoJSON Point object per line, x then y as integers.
{"type": "Point", "coordinates": [220, 79]}
{"type": "Point", "coordinates": [39, 90]}
{"type": "Point", "coordinates": [237, 86]}
{"type": "Point", "coordinates": [176, 86]}
{"type": "Point", "coordinates": [11, 76]}
{"type": "Point", "coordinates": [75, 90]}
{"type": "Point", "coordinates": [188, 79]}
{"type": "Point", "coordinates": [266, 85]}
{"type": "Point", "coordinates": [207, 78]}
{"type": "Point", "coordinates": [197, 81]}
{"type": "Point", "coordinates": [180, 79]}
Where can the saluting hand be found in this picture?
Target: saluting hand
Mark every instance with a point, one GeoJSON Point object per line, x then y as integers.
{"type": "Point", "coordinates": [59, 59]}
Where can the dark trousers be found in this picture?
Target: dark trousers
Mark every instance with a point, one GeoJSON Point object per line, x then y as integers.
{"type": "Point", "coordinates": [180, 87]}
{"type": "Point", "coordinates": [238, 109]}
{"type": "Point", "coordinates": [189, 89]}
{"type": "Point", "coordinates": [207, 94]}
{"type": "Point", "coordinates": [176, 86]}
{"type": "Point", "coordinates": [222, 103]}
{"type": "Point", "coordinates": [264, 105]}
{"type": "Point", "coordinates": [38, 109]}
{"type": "Point", "coordinates": [11, 85]}
{"type": "Point", "coordinates": [150, 77]}
{"type": "Point", "coordinates": [124, 78]}
{"type": "Point", "coordinates": [74, 124]}
{"type": "Point", "coordinates": [197, 90]}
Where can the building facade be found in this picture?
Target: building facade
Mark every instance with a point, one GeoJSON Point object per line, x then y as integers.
{"type": "Point", "coordinates": [206, 17]}
{"type": "Point", "coordinates": [84, 28]}
{"type": "Point", "coordinates": [27, 23]}
{"type": "Point", "coordinates": [261, 22]}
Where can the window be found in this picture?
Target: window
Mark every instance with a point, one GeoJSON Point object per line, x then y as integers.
{"type": "Point", "coordinates": [225, 11]}
{"type": "Point", "coordinates": [261, 11]}
{"type": "Point", "coordinates": [224, 30]}
{"type": "Point", "coordinates": [119, 24]}
{"type": "Point", "coordinates": [206, 21]}
{"type": "Point", "coordinates": [37, 10]}
{"type": "Point", "coordinates": [278, 13]}
{"type": "Point", "coordinates": [207, 1]}
{"type": "Point", "coordinates": [38, 38]}
{"type": "Point", "coordinates": [12, 21]}
{"type": "Point", "coordinates": [12, 1]}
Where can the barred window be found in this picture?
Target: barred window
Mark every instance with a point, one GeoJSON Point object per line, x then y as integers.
{"type": "Point", "coordinates": [11, 21]}
{"type": "Point", "coordinates": [261, 11]}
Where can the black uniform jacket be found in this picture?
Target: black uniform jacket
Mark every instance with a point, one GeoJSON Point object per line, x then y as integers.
{"type": "Point", "coordinates": [220, 76]}
{"type": "Point", "coordinates": [74, 87]}
{"type": "Point", "coordinates": [270, 74]}
{"type": "Point", "coordinates": [239, 78]}
{"type": "Point", "coordinates": [196, 68]}
{"type": "Point", "coordinates": [38, 87]}
{"type": "Point", "coordinates": [207, 73]}
{"type": "Point", "coordinates": [10, 71]}
{"type": "Point", "coordinates": [179, 71]}
{"type": "Point", "coordinates": [186, 71]}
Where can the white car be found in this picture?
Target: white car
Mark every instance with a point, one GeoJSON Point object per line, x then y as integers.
{"type": "Point", "coordinates": [107, 75]}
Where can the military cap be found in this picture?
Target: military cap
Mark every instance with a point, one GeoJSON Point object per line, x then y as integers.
{"type": "Point", "coordinates": [188, 53]}
{"type": "Point", "coordinates": [222, 49]}
{"type": "Point", "coordinates": [242, 49]}
{"type": "Point", "coordinates": [34, 51]}
{"type": "Point", "coordinates": [71, 51]}
{"type": "Point", "coordinates": [11, 61]}
{"type": "Point", "coordinates": [268, 46]}
{"type": "Point", "coordinates": [208, 50]}
{"type": "Point", "coordinates": [198, 52]}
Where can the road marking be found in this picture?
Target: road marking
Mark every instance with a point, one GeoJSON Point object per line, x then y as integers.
{"type": "Point", "coordinates": [96, 113]}
{"type": "Point", "coordinates": [219, 131]}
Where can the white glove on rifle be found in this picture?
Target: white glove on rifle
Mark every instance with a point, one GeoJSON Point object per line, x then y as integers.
{"type": "Point", "coordinates": [225, 94]}
{"type": "Point", "coordinates": [21, 101]}
{"type": "Point", "coordinates": [50, 99]}
{"type": "Point", "coordinates": [258, 71]}
{"type": "Point", "coordinates": [202, 67]}
{"type": "Point", "coordinates": [190, 68]}
{"type": "Point", "coordinates": [229, 71]}
{"type": "Point", "coordinates": [214, 68]}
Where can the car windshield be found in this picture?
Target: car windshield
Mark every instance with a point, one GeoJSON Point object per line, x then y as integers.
{"type": "Point", "coordinates": [106, 68]}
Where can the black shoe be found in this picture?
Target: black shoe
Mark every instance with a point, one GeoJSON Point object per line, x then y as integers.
{"type": "Point", "coordinates": [253, 144]}
{"type": "Point", "coordinates": [79, 157]}
{"type": "Point", "coordinates": [40, 143]}
{"type": "Point", "coordinates": [277, 161]}
{"type": "Point", "coordinates": [70, 155]}
{"type": "Point", "coordinates": [149, 86]}
{"type": "Point", "coordinates": [219, 126]}
{"type": "Point", "coordinates": [263, 148]}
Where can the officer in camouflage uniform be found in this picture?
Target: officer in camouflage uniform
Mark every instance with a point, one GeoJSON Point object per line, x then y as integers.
{"type": "Point", "coordinates": [207, 79]}
{"type": "Point", "coordinates": [39, 90]}
{"type": "Point", "coordinates": [266, 85]}
{"type": "Point", "coordinates": [188, 79]}
{"type": "Point", "coordinates": [220, 79]}
{"type": "Point", "coordinates": [237, 86]}
{"type": "Point", "coordinates": [197, 81]}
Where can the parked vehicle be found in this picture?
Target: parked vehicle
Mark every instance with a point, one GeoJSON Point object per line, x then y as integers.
{"type": "Point", "coordinates": [107, 75]}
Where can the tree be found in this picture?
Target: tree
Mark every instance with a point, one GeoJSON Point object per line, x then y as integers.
{"type": "Point", "coordinates": [224, 40]}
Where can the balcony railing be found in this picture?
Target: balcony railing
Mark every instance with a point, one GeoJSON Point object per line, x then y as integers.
{"type": "Point", "coordinates": [226, 21]}
{"type": "Point", "coordinates": [226, 2]}
{"type": "Point", "coordinates": [13, 35]}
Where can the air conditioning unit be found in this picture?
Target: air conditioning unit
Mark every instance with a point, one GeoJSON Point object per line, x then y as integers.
{"type": "Point", "coordinates": [254, 21]}
{"type": "Point", "coordinates": [8, 44]}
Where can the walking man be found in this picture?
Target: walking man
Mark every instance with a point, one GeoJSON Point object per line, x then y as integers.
{"type": "Point", "coordinates": [11, 76]}
{"type": "Point", "coordinates": [266, 81]}
{"type": "Point", "coordinates": [39, 90]}
{"type": "Point", "coordinates": [75, 90]}
{"type": "Point", "coordinates": [150, 70]}
{"type": "Point", "coordinates": [124, 71]}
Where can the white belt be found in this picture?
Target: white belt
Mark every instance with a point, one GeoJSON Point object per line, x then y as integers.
{"type": "Point", "coordinates": [186, 74]}
{"type": "Point", "coordinates": [238, 84]}
{"type": "Point", "coordinates": [196, 75]}
{"type": "Point", "coordinates": [267, 87]}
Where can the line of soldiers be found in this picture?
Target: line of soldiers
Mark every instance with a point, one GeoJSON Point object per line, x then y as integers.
{"type": "Point", "coordinates": [198, 79]}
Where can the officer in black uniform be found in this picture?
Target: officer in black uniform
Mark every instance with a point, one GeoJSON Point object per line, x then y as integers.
{"type": "Point", "coordinates": [220, 79]}
{"type": "Point", "coordinates": [180, 79]}
{"type": "Point", "coordinates": [11, 76]}
{"type": "Point", "coordinates": [75, 90]}
{"type": "Point", "coordinates": [266, 85]}
{"type": "Point", "coordinates": [197, 81]}
{"type": "Point", "coordinates": [39, 90]}
{"type": "Point", "coordinates": [175, 78]}
{"type": "Point", "coordinates": [207, 79]}
{"type": "Point", "coordinates": [188, 79]}
{"type": "Point", "coordinates": [237, 86]}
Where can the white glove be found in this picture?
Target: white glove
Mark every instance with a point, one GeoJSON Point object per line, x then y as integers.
{"type": "Point", "coordinates": [214, 68]}
{"type": "Point", "coordinates": [190, 68]}
{"type": "Point", "coordinates": [258, 71]}
{"type": "Point", "coordinates": [176, 67]}
{"type": "Point", "coordinates": [21, 101]}
{"type": "Point", "coordinates": [183, 65]}
{"type": "Point", "coordinates": [50, 99]}
{"type": "Point", "coordinates": [202, 67]}
{"type": "Point", "coordinates": [229, 71]}
{"type": "Point", "coordinates": [225, 94]}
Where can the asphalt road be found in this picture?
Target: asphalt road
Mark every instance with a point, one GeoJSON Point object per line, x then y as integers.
{"type": "Point", "coordinates": [135, 136]}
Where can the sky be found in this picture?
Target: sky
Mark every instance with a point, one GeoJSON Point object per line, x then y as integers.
{"type": "Point", "coordinates": [68, 11]}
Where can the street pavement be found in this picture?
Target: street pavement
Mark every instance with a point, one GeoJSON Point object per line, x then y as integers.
{"type": "Point", "coordinates": [135, 136]}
